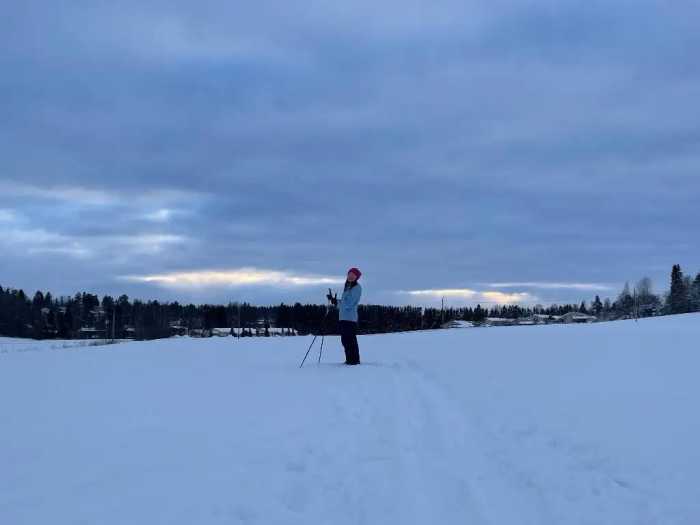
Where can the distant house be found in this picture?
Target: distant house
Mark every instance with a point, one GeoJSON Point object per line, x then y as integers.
{"type": "Point", "coordinates": [545, 318]}
{"type": "Point", "coordinates": [273, 331]}
{"type": "Point", "coordinates": [176, 329]}
{"type": "Point", "coordinates": [221, 332]}
{"type": "Point", "coordinates": [458, 323]}
{"type": "Point", "coordinates": [500, 321]}
{"type": "Point", "coordinates": [647, 310]}
{"type": "Point", "coordinates": [526, 322]}
{"type": "Point", "coordinates": [283, 331]}
{"type": "Point", "coordinates": [577, 317]}
{"type": "Point", "coordinates": [88, 332]}
{"type": "Point", "coordinates": [97, 313]}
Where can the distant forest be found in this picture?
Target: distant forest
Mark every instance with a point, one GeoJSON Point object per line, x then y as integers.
{"type": "Point", "coordinates": [85, 315]}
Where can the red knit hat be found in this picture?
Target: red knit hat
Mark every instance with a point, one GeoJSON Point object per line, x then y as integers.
{"type": "Point", "coordinates": [355, 271]}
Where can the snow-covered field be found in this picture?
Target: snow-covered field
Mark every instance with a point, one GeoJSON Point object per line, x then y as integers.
{"type": "Point", "coordinates": [544, 425]}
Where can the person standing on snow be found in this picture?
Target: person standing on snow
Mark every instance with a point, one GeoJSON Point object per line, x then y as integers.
{"type": "Point", "coordinates": [347, 306]}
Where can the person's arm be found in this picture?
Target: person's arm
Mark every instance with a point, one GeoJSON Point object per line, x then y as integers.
{"type": "Point", "coordinates": [353, 298]}
{"type": "Point", "coordinates": [339, 302]}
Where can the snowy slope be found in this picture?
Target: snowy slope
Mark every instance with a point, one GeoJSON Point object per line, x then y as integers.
{"type": "Point", "coordinates": [594, 424]}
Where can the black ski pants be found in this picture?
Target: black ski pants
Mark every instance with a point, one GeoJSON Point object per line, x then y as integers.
{"type": "Point", "coordinates": [348, 336]}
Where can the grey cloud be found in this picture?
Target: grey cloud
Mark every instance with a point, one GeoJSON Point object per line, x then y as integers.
{"type": "Point", "coordinates": [438, 148]}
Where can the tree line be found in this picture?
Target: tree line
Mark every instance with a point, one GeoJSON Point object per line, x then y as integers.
{"type": "Point", "coordinates": [86, 315]}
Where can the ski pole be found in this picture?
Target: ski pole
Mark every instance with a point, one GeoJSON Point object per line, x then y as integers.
{"type": "Point", "coordinates": [307, 352]}
{"type": "Point", "coordinates": [323, 322]}
{"type": "Point", "coordinates": [323, 337]}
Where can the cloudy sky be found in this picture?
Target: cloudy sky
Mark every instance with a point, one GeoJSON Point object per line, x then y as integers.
{"type": "Point", "coordinates": [487, 152]}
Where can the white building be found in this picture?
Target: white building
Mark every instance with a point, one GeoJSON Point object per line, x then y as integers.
{"type": "Point", "coordinates": [577, 317]}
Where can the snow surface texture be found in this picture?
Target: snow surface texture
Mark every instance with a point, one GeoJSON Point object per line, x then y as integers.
{"type": "Point", "coordinates": [594, 424]}
{"type": "Point", "coordinates": [15, 344]}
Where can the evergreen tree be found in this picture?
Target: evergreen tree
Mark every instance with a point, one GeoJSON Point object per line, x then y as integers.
{"type": "Point", "coordinates": [597, 306]}
{"type": "Point", "coordinates": [38, 301]}
{"type": "Point", "coordinates": [678, 299]}
{"type": "Point", "coordinates": [51, 323]}
{"type": "Point", "coordinates": [479, 314]}
{"type": "Point", "coordinates": [607, 308]}
{"type": "Point", "coordinates": [625, 301]}
{"type": "Point", "coordinates": [695, 294]}
{"type": "Point", "coordinates": [65, 325]}
{"type": "Point", "coordinates": [688, 284]}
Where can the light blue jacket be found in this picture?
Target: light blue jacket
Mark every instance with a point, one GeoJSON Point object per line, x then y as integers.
{"type": "Point", "coordinates": [347, 304]}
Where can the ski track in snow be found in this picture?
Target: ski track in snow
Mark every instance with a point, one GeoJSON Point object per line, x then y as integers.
{"type": "Point", "coordinates": [389, 456]}
{"type": "Point", "coordinates": [439, 449]}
